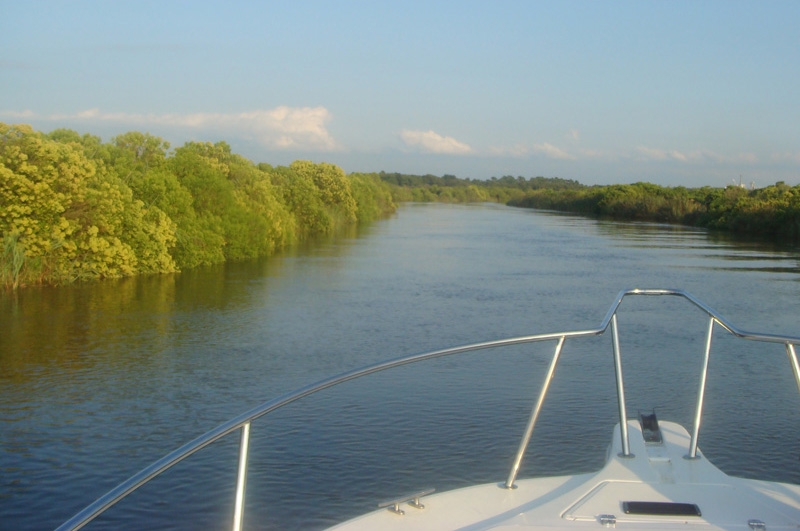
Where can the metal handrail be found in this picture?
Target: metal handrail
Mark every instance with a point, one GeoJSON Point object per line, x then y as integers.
{"type": "Point", "coordinates": [244, 420]}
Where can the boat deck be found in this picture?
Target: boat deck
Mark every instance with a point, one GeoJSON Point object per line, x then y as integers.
{"type": "Point", "coordinates": [654, 476]}
{"type": "Point", "coordinates": [657, 472]}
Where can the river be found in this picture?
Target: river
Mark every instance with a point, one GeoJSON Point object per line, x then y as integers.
{"type": "Point", "coordinates": [99, 380]}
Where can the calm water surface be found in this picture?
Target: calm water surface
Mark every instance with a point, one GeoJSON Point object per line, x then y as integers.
{"type": "Point", "coordinates": [97, 381]}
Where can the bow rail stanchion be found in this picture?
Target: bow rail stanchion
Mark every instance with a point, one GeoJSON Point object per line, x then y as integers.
{"type": "Point", "coordinates": [701, 392]}
{"type": "Point", "coordinates": [243, 421]}
{"type": "Point", "coordinates": [509, 484]}
{"type": "Point", "coordinates": [244, 446]}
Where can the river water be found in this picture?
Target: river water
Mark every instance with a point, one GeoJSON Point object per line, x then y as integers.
{"type": "Point", "coordinates": [99, 380]}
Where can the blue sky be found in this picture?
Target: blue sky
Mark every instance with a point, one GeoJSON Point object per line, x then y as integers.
{"type": "Point", "coordinates": [675, 93]}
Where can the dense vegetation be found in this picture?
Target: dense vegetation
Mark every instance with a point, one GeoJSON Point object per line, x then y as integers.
{"type": "Point", "coordinates": [74, 208]}
{"type": "Point", "coordinates": [450, 188]}
{"type": "Point", "coordinates": [771, 212]}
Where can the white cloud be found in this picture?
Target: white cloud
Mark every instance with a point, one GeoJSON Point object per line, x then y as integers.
{"type": "Point", "coordinates": [551, 151]}
{"type": "Point", "coordinates": [697, 156]}
{"type": "Point", "coordinates": [596, 154]}
{"type": "Point", "coordinates": [517, 150]}
{"type": "Point", "coordinates": [574, 134]}
{"type": "Point", "coordinates": [677, 155]}
{"type": "Point", "coordinates": [279, 128]}
{"type": "Point", "coordinates": [663, 154]}
{"type": "Point", "coordinates": [433, 142]}
{"type": "Point", "coordinates": [786, 157]}
{"type": "Point", "coordinates": [652, 153]}
{"type": "Point", "coordinates": [24, 115]}
{"type": "Point", "coordinates": [520, 150]}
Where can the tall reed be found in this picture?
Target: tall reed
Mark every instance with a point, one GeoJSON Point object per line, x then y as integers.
{"type": "Point", "coordinates": [12, 260]}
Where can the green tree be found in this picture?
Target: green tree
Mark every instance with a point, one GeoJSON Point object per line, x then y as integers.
{"type": "Point", "coordinates": [301, 197]}
{"type": "Point", "coordinates": [71, 217]}
{"type": "Point", "coordinates": [332, 188]}
{"type": "Point", "coordinates": [373, 196]}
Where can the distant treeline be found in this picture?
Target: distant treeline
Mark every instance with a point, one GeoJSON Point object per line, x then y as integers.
{"type": "Point", "coordinates": [75, 208]}
{"type": "Point", "coordinates": [771, 212]}
{"type": "Point", "coordinates": [450, 188]}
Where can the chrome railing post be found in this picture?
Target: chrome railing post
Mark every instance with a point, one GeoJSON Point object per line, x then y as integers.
{"type": "Point", "coordinates": [701, 392]}
{"type": "Point", "coordinates": [244, 445]}
{"type": "Point", "coordinates": [793, 360]}
{"type": "Point", "coordinates": [523, 445]}
{"type": "Point", "coordinates": [623, 416]}
{"type": "Point", "coordinates": [110, 498]}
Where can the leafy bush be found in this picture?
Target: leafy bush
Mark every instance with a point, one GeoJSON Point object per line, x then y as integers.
{"type": "Point", "coordinates": [74, 208]}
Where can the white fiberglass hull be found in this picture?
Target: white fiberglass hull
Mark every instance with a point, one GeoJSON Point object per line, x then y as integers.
{"type": "Point", "coordinates": [647, 483]}
{"type": "Point", "coordinates": [656, 473]}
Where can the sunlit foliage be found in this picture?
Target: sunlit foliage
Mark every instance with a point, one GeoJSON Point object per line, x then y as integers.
{"type": "Point", "coordinates": [75, 208]}
{"type": "Point", "coordinates": [373, 196]}
{"type": "Point", "coordinates": [773, 211]}
{"type": "Point", "coordinates": [64, 216]}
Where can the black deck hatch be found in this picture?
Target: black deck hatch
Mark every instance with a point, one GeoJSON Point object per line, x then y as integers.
{"type": "Point", "coordinates": [661, 508]}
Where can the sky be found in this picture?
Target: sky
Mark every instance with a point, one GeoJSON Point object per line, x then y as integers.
{"type": "Point", "coordinates": [670, 92]}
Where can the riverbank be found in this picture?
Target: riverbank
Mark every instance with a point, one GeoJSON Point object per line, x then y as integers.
{"type": "Point", "coordinates": [74, 208]}
{"type": "Point", "coordinates": [772, 212]}
{"type": "Point", "coordinates": [99, 379]}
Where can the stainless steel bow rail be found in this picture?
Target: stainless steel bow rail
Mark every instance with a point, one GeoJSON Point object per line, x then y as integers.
{"type": "Point", "coordinates": [242, 422]}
